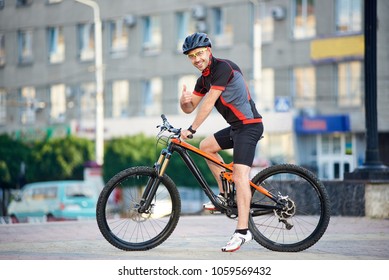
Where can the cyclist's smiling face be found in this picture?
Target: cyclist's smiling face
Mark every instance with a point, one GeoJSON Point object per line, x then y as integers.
{"type": "Point", "coordinates": [200, 57]}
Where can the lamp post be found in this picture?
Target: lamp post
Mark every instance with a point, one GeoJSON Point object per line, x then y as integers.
{"type": "Point", "coordinates": [372, 169]}
{"type": "Point", "coordinates": [99, 129]}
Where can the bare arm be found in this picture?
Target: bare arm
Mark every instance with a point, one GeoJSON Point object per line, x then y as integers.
{"type": "Point", "coordinates": [206, 107]}
{"type": "Point", "coordinates": [204, 110]}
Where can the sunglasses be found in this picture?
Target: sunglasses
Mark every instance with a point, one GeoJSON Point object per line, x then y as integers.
{"type": "Point", "coordinates": [200, 52]}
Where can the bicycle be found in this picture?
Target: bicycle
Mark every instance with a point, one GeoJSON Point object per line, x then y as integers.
{"type": "Point", "coordinates": [139, 207]}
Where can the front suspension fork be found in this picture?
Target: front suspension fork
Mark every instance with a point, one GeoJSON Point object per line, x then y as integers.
{"type": "Point", "coordinates": [153, 183]}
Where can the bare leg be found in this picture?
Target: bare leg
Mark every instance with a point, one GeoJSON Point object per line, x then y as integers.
{"type": "Point", "coordinates": [243, 194]}
{"type": "Point", "coordinates": [210, 146]}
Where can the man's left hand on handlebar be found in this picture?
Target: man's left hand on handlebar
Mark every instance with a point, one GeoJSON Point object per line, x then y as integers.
{"type": "Point", "coordinates": [186, 134]}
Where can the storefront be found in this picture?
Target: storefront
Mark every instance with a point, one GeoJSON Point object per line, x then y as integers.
{"type": "Point", "coordinates": [326, 145]}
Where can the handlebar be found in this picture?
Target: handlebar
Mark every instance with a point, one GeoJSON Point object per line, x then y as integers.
{"type": "Point", "coordinates": [167, 126]}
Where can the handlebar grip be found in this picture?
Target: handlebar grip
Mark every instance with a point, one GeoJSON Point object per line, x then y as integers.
{"type": "Point", "coordinates": [163, 117]}
{"type": "Point", "coordinates": [190, 136]}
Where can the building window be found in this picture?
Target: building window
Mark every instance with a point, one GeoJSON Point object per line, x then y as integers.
{"type": "Point", "coordinates": [304, 87]}
{"type": "Point", "coordinates": [21, 3]}
{"type": "Point", "coordinates": [3, 106]}
{"type": "Point", "coordinates": [25, 53]}
{"type": "Point", "coordinates": [120, 99]}
{"type": "Point", "coordinates": [27, 101]}
{"type": "Point", "coordinates": [222, 32]}
{"type": "Point", "coordinates": [267, 23]}
{"type": "Point", "coordinates": [58, 103]}
{"type": "Point", "coordinates": [350, 84]}
{"type": "Point", "coordinates": [189, 81]}
{"type": "Point", "coordinates": [266, 96]}
{"type": "Point", "coordinates": [56, 43]}
{"type": "Point", "coordinates": [218, 21]}
{"type": "Point", "coordinates": [87, 101]}
{"type": "Point", "coordinates": [185, 25]}
{"type": "Point", "coordinates": [2, 50]}
{"type": "Point", "coordinates": [303, 19]}
{"type": "Point", "coordinates": [118, 37]}
{"type": "Point", "coordinates": [53, 1]}
{"type": "Point", "coordinates": [152, 94]}
{"type": "Point", "coordinates": [152, 38]}
{"type": "Point", "coordinates": [86, 41]}
{"type": "Point", "coordinates": [349, 16]}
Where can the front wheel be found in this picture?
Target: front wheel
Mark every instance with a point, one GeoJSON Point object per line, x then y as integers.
{"type": "Point", "coordinates": [305, 214]}
{"type": "Point", "coordinates": [119, 215]}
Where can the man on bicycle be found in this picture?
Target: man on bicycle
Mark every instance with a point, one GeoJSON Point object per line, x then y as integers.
{"type": "Point", "coordinates": [222, 85]}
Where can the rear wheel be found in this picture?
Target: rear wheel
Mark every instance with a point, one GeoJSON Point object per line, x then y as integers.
{"type": "Point", "coordinates": [305, 214]}
{"type": "Point", "coordinates": [120, 219]}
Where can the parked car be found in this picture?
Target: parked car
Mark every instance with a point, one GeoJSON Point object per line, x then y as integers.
{"type": "Point", "coordinates": [55, 201]}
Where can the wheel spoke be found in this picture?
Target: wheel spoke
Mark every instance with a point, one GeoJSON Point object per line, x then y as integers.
{"type": "Point", "coordinates": [304, 216]}
{"type": "Point", "coordinates": [122, 222]}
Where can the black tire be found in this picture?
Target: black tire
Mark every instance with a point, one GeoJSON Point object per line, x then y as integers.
{"type": "Point", "coordinates": [120, 222]}
{"type": "Point", "coordinates": [304, 223]}
{"type": "Point", "coordinates": [50, 218]}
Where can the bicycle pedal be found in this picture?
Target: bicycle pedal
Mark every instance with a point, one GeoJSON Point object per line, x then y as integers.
{"type": "Point", "coordinates": [213, 212]}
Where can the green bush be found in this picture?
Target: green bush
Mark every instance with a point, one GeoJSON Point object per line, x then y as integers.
{"type": "Point", "coordinates": [59, 159]}
{"type": "Point", "coordinates": [124, 152]}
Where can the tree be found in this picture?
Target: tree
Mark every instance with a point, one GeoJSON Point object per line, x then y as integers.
{"type": "Point", "coordinates": [125, 152]}
{"type": "Point", "coordinates": [13, 153]}
{"type": "Point", "coordinates": [59, 159]}
{"type": "Point", "coordinates": [4, 192]}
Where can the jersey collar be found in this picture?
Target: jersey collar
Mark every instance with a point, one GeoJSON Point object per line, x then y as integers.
{"type": "Point", "coordinates": [207, 70]}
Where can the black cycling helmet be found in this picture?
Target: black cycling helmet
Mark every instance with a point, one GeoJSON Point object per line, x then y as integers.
{"type": "Point", "coordinates": [194, 41]}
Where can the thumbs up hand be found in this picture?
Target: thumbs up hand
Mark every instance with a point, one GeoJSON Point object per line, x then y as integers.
{"type": "Point", "coordinates": [186, 97]}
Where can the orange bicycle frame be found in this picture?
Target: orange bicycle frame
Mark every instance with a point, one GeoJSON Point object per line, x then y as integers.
{"type": "Point", "coordinates": [182, 147]}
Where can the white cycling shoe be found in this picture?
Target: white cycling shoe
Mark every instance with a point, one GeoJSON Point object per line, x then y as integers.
{"type": "Point", "coordinates": [236, 241]}
{"type": "Point", "coordinates": [210, 207]}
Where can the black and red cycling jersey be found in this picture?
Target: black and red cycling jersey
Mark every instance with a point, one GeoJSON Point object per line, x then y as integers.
{"type": "Point", "coordinates": [235, 103]}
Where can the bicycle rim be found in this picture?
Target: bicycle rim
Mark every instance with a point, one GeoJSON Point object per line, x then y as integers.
{"type": "Point", "coordinates": [119, 219]}
{"type": "Point", "coordinates": [304, 219]}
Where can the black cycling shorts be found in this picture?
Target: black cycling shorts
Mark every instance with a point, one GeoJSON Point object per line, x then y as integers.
{"type": "Point", "coordinates": [243, 140]}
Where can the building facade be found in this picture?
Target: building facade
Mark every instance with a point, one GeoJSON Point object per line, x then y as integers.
{"type": "Point", "coordinates": [303, 61]}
